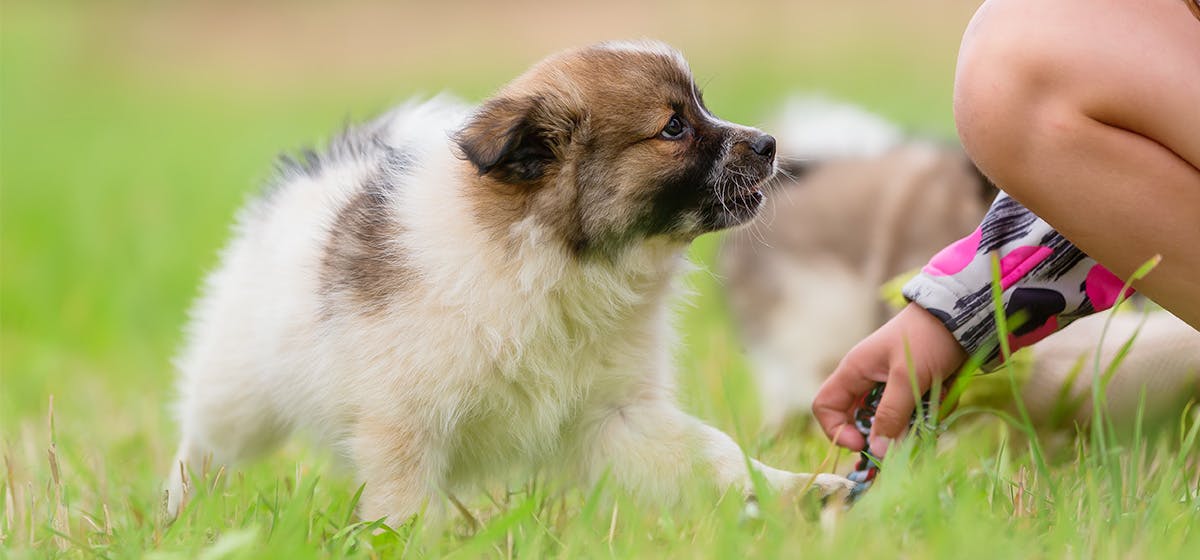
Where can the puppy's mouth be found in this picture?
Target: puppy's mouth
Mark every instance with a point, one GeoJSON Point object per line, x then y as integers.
{"type": "Point", "coordinates": [739, 203]}
{"type": "Point", "coordinates": [752, 199]}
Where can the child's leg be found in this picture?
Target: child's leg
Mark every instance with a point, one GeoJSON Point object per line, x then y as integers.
{"type": "Point", "coordinates": [1088, 112]}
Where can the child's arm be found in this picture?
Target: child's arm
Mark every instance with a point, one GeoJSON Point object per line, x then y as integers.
{"type": "Point", "coordinates": [1047, 283]}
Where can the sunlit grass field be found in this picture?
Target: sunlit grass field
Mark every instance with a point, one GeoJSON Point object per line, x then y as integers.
{"type": "Point", "coordinates": [129, 135]}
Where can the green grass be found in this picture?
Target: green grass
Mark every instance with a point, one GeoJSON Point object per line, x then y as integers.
{"type": "Point", "coordinates": [116, 188]}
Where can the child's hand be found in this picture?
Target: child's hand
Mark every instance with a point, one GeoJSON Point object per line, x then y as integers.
{"type": "Point", "coordinates": [881, 358]}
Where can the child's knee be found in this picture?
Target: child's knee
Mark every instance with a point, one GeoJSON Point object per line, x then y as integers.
{"type": "Point", "coordinates": [1011, 86]}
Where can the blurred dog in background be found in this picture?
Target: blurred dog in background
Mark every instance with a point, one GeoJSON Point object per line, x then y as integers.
{"type": "Point", "coordinates": [863, 203]}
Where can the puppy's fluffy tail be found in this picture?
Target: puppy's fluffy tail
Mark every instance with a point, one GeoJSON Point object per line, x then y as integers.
{"type": "Point", "coordinates": [812, 129]}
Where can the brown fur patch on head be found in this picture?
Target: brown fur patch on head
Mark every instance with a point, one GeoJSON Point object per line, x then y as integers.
{"type": "Point", "coordinates": [577, 143]}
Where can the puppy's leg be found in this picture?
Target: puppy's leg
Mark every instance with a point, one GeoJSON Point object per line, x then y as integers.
{"type": "Point", "coordinates": [722, 452]}
{"type": "Point", "coordinates": [651, 447]}
{"type": "Point", "coordinates": [399, 466]}
{"type": "Point", "coordinates": [224, 419]}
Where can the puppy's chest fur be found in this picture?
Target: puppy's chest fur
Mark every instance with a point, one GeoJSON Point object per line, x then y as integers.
{"type": "Point", "coordinates": [513, 399]}
{"type": "Point", "coordinates": [501, 357]}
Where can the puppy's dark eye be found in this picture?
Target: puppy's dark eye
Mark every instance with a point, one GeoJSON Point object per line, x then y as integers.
{"type": "Point", "coordinates": [675, 128]}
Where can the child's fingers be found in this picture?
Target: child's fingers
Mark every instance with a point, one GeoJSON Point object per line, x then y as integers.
{"type": "Point", "coordinates": [835, 402]}
{"type": "Point", "coordinates": [895, 410]}
{"type": "Point", "coordinates": [830, 409]}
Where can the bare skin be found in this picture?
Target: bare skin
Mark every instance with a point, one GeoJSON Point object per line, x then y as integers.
{"type": "Point", "coordinates": [1088, 118]}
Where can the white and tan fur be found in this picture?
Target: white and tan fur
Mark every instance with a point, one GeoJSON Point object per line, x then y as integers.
{"type": "Point", "coordinates": [477, 342]}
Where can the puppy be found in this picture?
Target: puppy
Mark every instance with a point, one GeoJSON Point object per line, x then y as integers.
{"type": "Point", "coordinates": [447, 295]}
{"type": "Point", "coordinates": [858, 204]}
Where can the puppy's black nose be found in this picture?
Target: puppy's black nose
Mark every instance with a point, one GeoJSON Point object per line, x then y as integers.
{"type": "Point", "coordinates": [763, 145]}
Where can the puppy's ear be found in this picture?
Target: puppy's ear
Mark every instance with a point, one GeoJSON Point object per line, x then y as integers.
{"type": "Point", "coordinates": [515, 139]}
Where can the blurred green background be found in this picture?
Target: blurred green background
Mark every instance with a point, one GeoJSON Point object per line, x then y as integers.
{"type": "Point", "coordinates": [130, 132]}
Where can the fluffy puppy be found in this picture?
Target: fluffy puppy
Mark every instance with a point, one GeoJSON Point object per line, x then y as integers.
{"type": "Point", "coordinates": [448, 294]}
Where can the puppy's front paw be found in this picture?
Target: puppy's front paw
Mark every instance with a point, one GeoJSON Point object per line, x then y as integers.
{"type": "Point", "coordinates": [833, 485]}
{"type": "Point", "coordinates": [823, 484]}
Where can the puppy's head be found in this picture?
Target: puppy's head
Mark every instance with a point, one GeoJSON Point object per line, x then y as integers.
{"type": "Point", "coordinates": [612, 145]}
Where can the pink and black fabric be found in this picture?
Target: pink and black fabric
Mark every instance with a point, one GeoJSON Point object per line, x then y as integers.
{"type": "Point", "coordinates": [1047, 282]}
